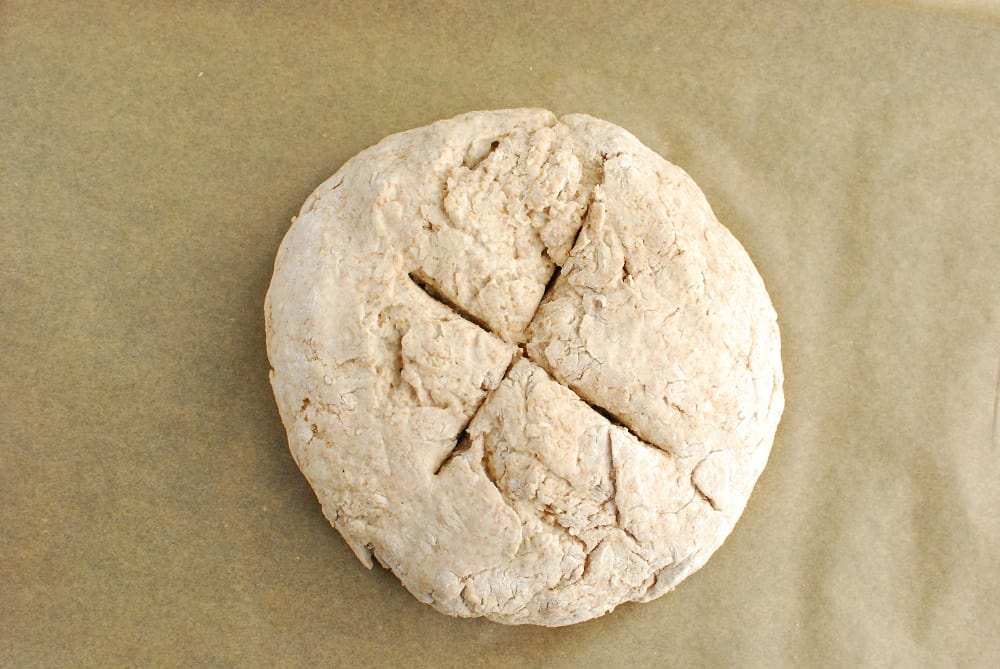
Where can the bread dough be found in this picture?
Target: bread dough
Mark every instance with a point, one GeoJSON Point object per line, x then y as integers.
{"type": "Point", "coordinates": [523, 365]}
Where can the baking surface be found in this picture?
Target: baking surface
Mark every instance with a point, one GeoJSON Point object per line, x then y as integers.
{"type": "Point", "coordinates": [151, 160]}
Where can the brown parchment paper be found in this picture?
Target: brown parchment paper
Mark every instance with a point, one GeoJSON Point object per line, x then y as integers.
{"type": "Point", "coordinates": [153, 154]}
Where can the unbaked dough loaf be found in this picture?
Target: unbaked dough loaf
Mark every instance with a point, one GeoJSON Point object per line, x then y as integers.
{"type": "Point", "coordinates": [522, 365]}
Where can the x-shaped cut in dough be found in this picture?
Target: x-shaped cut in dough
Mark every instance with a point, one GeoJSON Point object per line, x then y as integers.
{"type": "Point", "coordinates": [520, 352]}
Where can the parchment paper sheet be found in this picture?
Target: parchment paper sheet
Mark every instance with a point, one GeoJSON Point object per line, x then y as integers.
{"type": "Point", "coordinates": [153, 154]}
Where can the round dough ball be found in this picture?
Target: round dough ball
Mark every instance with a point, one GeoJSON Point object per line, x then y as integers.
{"type": "Point", "coordinates": [523, 365]}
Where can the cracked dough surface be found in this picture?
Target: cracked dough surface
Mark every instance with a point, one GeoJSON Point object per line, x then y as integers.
{"type": "Point", "coordinates": [522, 365]}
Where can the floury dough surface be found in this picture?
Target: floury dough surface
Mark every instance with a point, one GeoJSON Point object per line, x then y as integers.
{"type": "Point", "coordinates": [522, 365]}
